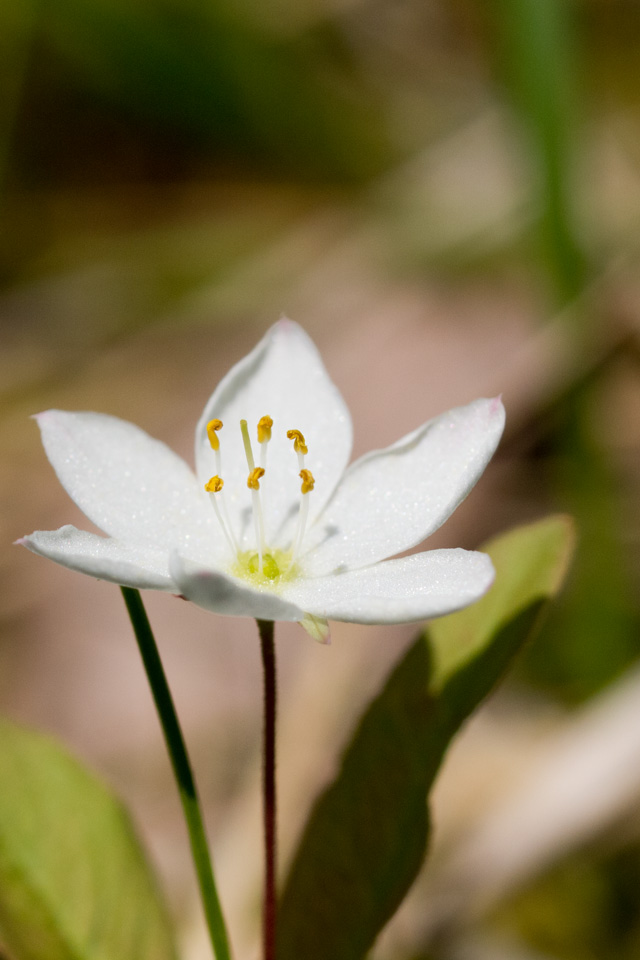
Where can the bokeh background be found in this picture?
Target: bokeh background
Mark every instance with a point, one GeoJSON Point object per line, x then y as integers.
{"type": "Point", "coordinates": [446, 194]}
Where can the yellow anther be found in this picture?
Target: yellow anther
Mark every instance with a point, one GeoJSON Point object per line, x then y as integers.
{"type": "Point", "coordinates": [212, 427]}
{"type": "Point", "coordinates": [214, 485]}
{"type": "Point", "coordinates": [299, 443]}
{"type": "Point", "coordinates": [308, 483]}
{"type": "Point", "coordinates": [253, 480]}
{"type": "Point", "coordinates": [264, 429]}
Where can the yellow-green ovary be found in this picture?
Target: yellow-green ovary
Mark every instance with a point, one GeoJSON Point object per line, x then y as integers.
{"type": "Point", "coordinates": [276, 567]}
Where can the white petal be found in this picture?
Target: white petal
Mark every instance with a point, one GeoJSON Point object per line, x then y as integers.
{"type": "Point", "coordinates": [220, 593]}
{"type": "Point", "coordinates": [391, 500]}
{"type": "Point", "coordinates": [284, 378]}
{"type": "Point", "coordinates": [419, 587]}
{"type": "Point", "coordinates": [131, 486]}
{"type": "Point", "coordinates": [106, 559]}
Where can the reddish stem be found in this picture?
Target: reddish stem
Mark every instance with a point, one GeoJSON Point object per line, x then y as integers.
{"type": "Point", "coordinates": [266, 628]}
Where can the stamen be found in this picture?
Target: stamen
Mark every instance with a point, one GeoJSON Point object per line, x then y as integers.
{"type": "Point", "coordinates": [264, 435]}
{"type": "Point", "coordinates": [261, 562]}
{"type": "Point", "coordinates": [253, 480]}
{"type": "Point", "coordinates": [264, 429]}
{"type": "Point", "coordinates": [299, 445]}
{"type": "Point", "coordinates": [212, 427]}
{"type": "Point", "coordinates": [253, 483]}
{"type": "Point", "coordinates": [212, 432]}
{"type": "Point", "coordinates": [214, 486]}
{"type": "Point", "coordinates": [308, 483]}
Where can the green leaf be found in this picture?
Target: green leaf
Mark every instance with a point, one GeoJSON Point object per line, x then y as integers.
{"type": "Point", "coordinates": [367, 834]}
{"type": "Point", "coordinates": [471, 649]}
{"type": "Point", "coordinates": [350, 873]}
{"type": "Point", "coordinates": [74, 884]}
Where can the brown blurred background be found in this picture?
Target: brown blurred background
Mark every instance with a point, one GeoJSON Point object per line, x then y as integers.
{"type": "Point", "coordinates": [446, 195]}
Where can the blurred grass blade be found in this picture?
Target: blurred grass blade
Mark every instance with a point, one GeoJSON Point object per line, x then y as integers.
{"type": "Point", "coordinates": [537, 45]}
{"type": "Point", "coordinates": [74, 884]}
{"type": "Point", "coordinates": [367, 834]}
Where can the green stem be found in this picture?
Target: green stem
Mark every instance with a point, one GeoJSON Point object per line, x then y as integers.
{"type": "Point", "coordinates": [181, 769]}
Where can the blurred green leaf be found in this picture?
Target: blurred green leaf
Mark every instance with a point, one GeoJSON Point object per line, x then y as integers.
{"type": "Point", "coordinates": [74, 884]}
{"type": "Point", "coordinates": [367, 834]}
{"type": "Point", "coordinates": [593, 634]}
{"type": "Point", "coordinates": [215, 76]}
{"type": "Point", "coordinates": [16, 25]}
{"type": "Point", "coordinates": [570, 913]}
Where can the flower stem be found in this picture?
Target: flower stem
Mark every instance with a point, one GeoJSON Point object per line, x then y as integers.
{"type": "Point", "coordinates": [181, 769]}
{"type": "Point", "coordinates": [266, 628]}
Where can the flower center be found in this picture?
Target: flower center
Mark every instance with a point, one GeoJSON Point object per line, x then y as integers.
{"type": "Point", "coordinates": [261, 565]}
{"type": "Point", "coordinates": [276, 567]}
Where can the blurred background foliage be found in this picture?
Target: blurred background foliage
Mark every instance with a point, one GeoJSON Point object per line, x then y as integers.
{"type": "Point", "coordinates": [200, 164]}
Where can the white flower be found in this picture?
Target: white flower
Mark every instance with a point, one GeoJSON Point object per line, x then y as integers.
{"type": "Point", "coordinates": [307, 539]}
